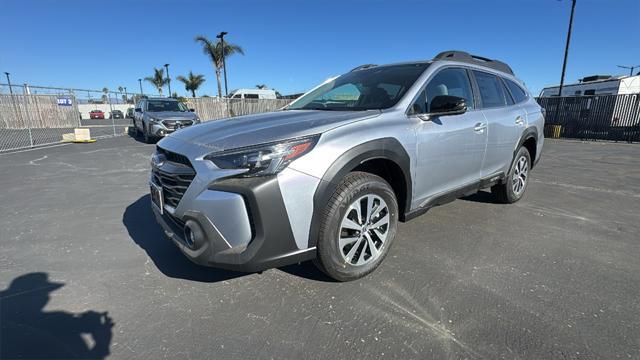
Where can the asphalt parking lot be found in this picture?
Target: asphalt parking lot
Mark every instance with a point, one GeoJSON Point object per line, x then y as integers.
{"type": "Point", "coordinates": [555, 276]}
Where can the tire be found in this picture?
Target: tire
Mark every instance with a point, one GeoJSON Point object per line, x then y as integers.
{"type": "Point", "coordinates": [136, 132]}
{"type": "Point", "coordinates": [145, 135]}
{"type": "Point", "coordinates": [344, 263]}
{"type": "Point", "coordinates": [515, 184]}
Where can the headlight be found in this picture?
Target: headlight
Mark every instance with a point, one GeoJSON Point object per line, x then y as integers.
{"type": "Point", "coordinates": [154, 120]}
{"type": "Point", "coordinates": [265, 159]}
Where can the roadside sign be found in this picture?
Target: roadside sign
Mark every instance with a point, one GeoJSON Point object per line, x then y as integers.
{"type": "Point", "coordinates": [64, 101]}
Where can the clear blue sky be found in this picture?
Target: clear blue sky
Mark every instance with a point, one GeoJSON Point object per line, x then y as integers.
{"type": "Point", "coordinates": [293, 45]}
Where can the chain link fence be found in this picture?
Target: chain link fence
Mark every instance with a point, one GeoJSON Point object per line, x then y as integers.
{"type": "Point", "coordinates": [33, 116]}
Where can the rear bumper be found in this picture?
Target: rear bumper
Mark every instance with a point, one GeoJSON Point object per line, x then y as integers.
{"type": "Point", "coordinates": [271, 241]}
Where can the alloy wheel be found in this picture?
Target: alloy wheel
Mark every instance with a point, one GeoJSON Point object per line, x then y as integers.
{"type": "Point", "coordinates": [520, 176]}
{"type": "Point", "coordinates": [363, 230]}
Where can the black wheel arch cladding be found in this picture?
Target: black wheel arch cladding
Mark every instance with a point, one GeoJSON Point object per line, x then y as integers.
{"type": "Point", "coordinates": [385, 148]}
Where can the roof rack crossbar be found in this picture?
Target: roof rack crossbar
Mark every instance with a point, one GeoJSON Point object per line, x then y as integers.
{"type": "Point", "coordinates": [474, 59]}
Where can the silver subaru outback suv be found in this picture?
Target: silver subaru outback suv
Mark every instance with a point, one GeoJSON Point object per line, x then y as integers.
{"type": "Point", "coordinates": [329, 177]}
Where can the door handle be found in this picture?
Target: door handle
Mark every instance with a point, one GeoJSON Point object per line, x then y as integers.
{"type": "Point", "coordinates": [479, 127]}
{"type": "Point", "coordinates": [519, 120]}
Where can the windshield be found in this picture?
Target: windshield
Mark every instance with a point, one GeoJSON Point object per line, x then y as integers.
{"type": "Point", "coordinates": [373, 88]}
{"type": "Point", "coordinates": [161, 105]}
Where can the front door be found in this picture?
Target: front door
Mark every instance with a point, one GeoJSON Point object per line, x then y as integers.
{"type": "Point", "coordinates": [450, 149]}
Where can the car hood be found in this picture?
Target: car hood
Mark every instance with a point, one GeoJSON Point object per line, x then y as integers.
{"type": "Point", "coordinates": [173, 115]}
{"type": "Point", "coordinates": [268, 127]}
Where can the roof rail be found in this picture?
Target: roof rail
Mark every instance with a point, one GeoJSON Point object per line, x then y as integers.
{"type": "Point", "coordinates": [362, 67]}
{"type": "Point", "coordinates": [474, 59]}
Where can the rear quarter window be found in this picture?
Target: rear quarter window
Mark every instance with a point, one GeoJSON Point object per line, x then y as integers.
{"type": "Point", "coordinates": [519, 95]}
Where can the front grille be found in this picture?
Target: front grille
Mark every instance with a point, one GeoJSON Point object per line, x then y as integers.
{"type": "Point", "coordinates": [173, 157]}
{"type": "Point", "coordinates": [173, 185]}
{"type": "Point", "coordinates": [174, 177]}
{"type": "Point", "coordinates": [173, 123]}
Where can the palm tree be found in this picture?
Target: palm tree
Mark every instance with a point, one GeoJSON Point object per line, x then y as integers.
{"type": "Point", "coordinates": [192, 82]}
{"type": "Point", "coordinates": [262, 87]}
{"type": "Point", "coordinates": [105, 91]}
{"type": "Point", "coordinates": [158, 80]}
{"type": "Point", "coordinates": [214, 51]}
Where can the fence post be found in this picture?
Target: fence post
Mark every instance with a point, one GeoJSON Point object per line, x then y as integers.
{"type": "Point", "coordinates": [113, 121]}
{"type": "Point", "coordinates": [24, 100]}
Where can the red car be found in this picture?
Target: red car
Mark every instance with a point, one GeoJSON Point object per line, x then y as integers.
{"type": "Point", "coordinates": [96, 114]}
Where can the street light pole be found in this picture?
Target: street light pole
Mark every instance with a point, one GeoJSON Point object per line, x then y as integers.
{"type": "Point", "coordinates": [9, 82]}
{"type": "Point", "coordinates": [166, 66]}
{"type": "Point", "coordinates": [140, 82]}
{"type": "Point", "coordinates": [630, 68]}
{"type": "Point", "coordinates": [224, 63]}
{"type": "Point", "coordinates": [126, 96]}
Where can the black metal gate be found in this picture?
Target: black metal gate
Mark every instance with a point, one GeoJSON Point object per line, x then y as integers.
{"type": "Point", "coordinates": [599, 117]}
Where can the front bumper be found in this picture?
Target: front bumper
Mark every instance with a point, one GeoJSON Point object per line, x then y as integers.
{"type": "Point", "coordinates": [255, 208]}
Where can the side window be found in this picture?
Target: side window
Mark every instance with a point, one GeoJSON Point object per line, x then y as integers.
{"type": "Point", "coordinates": [450, 81]}
{"type": "Point", "coordinates": [491, 90]}
{"type": "Point", "coordinates": [251, 96]}
{"type": "Point", "coordinates": [519, 95]}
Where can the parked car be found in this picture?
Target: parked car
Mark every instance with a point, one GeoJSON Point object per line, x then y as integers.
{"type": "Point", "coordinates": [116, 114]}
{"type": "Point", "coordinates": [156, 117]}
{"type": "Point", "coordinates": [96, 114]}
{"type": "Point", "coordinates": [129, 113]}
{"type": "Point", "coordinates": [330, 177]}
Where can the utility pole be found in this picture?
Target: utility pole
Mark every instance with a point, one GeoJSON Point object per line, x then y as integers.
{"type": "Point", "coordinates": [140, 82]}
{"type": "Point", "coordinates": [166, 66]}
{"type": "Point", "coordinates": [566, 48]}
{"type": "Point", "coordinates": [631, 68]}
{"type": "Point", "coordinates": [566, 54]}
{"type": "Point", "coordinates": [224, 63]}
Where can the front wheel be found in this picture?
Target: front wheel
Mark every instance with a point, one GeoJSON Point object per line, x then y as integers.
{"type": "Point", "coordinates": [136, 133]}
{"type": "Point", "coordinates": [146, 137]}
{"type": "Point", "coordinates": [357, 227]}
{"type": "Point", "coordinates": [513, 187]}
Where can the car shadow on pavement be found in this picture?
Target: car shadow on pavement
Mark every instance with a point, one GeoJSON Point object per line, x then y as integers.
{"type": "Point", "coordinates": [29, 332]}
{"type": "Point", "coordinates": [141, 224]}
{"type": "Point", "coordinates": [482, 197]}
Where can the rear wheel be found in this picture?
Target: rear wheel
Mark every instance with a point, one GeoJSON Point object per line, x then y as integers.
{"type": "Point", "coordinates": [513, 187]}
{"type": "Point", "coordinates": [358, 227]}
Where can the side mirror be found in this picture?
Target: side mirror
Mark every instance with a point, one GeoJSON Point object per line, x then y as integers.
{"type": "Point", "coordinates": [138, 110]}
{"type": "Point", "coordinates": [192, 110]}
{"type": "Point", "coordinates": [443, 105]}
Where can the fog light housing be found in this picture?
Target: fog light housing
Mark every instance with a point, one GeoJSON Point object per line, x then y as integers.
{"type": "Point", "coordinates": [193, 234]}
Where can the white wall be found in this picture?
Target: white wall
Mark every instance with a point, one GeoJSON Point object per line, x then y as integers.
{"type": "Point", "coordinates": [86, 108]}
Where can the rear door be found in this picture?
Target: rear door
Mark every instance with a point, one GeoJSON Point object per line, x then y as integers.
{"type": "Point", "coordinates": [505, 121]}
{"type": "Point", "coordinates": [450, 148]}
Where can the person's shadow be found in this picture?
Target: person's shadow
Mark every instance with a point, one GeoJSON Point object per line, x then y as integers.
{"type": "Point", "coordinates": [141, 224]}
{"type": "Point", "coordinates": [28, 332]}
